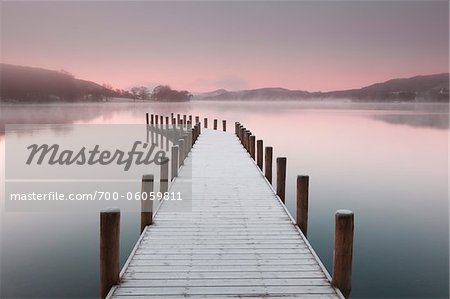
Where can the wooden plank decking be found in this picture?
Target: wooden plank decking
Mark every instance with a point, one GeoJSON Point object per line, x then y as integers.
{"type": "Point", "coordinates": [238, 240]}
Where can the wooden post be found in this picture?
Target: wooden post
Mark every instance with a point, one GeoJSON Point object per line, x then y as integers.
{"type": "Point", "coordinates": [146, 118]}
{"type": "Point", "coordinates": [224, 125]}
{"type": "Point", "coordinates": [197, 119]}
{"type": "Point", "coordinates": [259, 154]}
{"type": "Point", "coordinates": [184, 119]}
{"type": "Point", "coordinates": [109, 249]}
{"type": "Point", "coordinates": [164, 175]}
{"type": "Point", "coordinates": [252, 146]}
{"type": "Point", "coordinates": [171, 114]}
{"type": "Point", "coordinates": [152, 121]}
{"type": "Point", "coordinates": [302, 203]}
{"type": "Point", "coordinates": [215, 124]}
{"type": "Point", "coordinates": [156, 119]}
{"type": "Point", "coordinates": [268, 163]}
{"type": "Point", "coordinates": [190, 118]}
{"type": "Point", "coordinates": [167, 120]}
{"type": "Point", "coordinates": [146, 203]}
{"type": "Point", "coordinates": [206, 122]}
{"type": "Point", "coordinates": [186, 146]}
{"type": "Point", "coordinates": [181, 151]}
{"type": "Point", "coordinates": [343, 251]}
{"type": "Point", "coordinates": [247, 140]}
{"type": "Point", "coordinates": [178, 118]}
{"type": "Point", "coordinates": [175, 154]}
{"type": "Point", "coordinates": [281, 178]}
{"type": "Point", "coordinates": [162, 119]}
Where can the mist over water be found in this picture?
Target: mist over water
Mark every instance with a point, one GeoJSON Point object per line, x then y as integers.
{"type": "Point", "coordinates": [386, 162]}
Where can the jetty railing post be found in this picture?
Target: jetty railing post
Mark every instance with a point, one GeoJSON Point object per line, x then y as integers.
{"type": "Point", "coordinates": [186, 146]}
{"type": "Point", "coordinates": [184, 119]}
{"type": "Point", "coordinates": [152, 121]}
{"type": "Point", "coordinates": [206, 122]}
{"type": "Point", "coordinates": [156, 119]}
{"type": "Point", "coordinates": [252, 146]}
{"type": "Point", "coordinates": [146, 203]}
{"type": "Point", "coordinates": [167, 120]}
{"type": "Point", "coordinates": [268, 163]}
{"type": "Point", "coordinates": [281, 178]}
{"type": "Point", "coordinates": [215, 124]}
{"type": "Point", "coordinates": [164, 175]}
{"type": "Point", "coordinates": [343, 251]}
{"type": "Point", "coordinates": [190, 118]}
{"type": "Point", "coordinates": [146, 118]}
{"type": "Point", "coordinates": [302, 203]}
{"type": "Point", "coordinates": [178, 118]}
{"type": "Point", "coordinates": [175, 154]}
{"type": "Point", "coordinates": [224, 125]}
{"type": "Point", "coordinates": [109, 250]}
{"type": "Point", "coordinates": [247, 140]}
{"type": "Point", "coordinates": [259, 154]}
{"type": "Point", "coordinates": [181, 151]}
{"type": "Point", "coordinates": [197, 119]}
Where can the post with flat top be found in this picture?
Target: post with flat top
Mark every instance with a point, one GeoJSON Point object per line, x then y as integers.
{"type": "Point", "coordinates": [281, 178]}
{"type": "Point", "coordinates": [181, 151]}
{"type": "Point", "coordinates": [302, 203]}
{"type": "Point", "coordinates": [259, 154]}
{"type": "Point", "coordinates": [109, 249]}
{"type": "Point", "coordinates": [146, 203]}
{"type": "Point", "coordinates": [174, 170]}
{"type": "Point", "coordinates": [152, 121]}
{"type": "Point", "coordinates": [343, 251]}
{"type": "Point", "coordinates": [224, 125]}
{"type": "Point", "coordinates": [206, 122]}
{"type": "Point", "coordinates": [156, 119]}
{"type": "Point", "coordinates": [252, 146]}
{"type": "Point", "coordinates": [215, 124]}
{"type": "Point", "coordinates": [197, 119]}
{"type": "Point", "coordinates": [268, 163]}
{"type": "Point", "coordinates": [146, 117]}
{"type": "Point", "coordinates": [164, 175]}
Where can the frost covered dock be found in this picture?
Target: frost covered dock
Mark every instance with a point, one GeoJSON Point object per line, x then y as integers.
{"type": "Point", "coordinates": [237, 241]}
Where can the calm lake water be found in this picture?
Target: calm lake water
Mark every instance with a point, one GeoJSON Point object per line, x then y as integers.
{"type": "Point", "coordinates": [386, 162]}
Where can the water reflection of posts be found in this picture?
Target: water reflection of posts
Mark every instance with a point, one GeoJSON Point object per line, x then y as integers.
{"type": "Point", "coordinates": [146, 203]}
{"type": "Point", "coordinates": [109, 249]}
{"type": "Point", "coordinates": [281, 178]}
{"type": "Point", "coordinates": [268, 163]}
{"type": "Point", "coordinates": [343, 251]}
{"type": "Point", "coordinates": [302, 203]}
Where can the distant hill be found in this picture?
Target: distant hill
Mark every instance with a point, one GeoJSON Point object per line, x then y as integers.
{"type": "Point", "coordinates": [419, 88]}
{"type": "Point", "coordinates": [20, 83]}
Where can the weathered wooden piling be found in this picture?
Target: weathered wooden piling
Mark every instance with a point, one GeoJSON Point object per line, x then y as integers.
{"type": "Point", "coordinates": [281, 178]}
{"type": "Point", "coordinates": [302, 203]}
{"type": "Point", "coordinates": [184, 119]}
{"type": "Point", "coordinates": [252, 146]}
{"type": "Point", "coordinates": [268, 163]}
{"type": "Point", "coordinates": [146, 118]}
{"type": "Point", "coordinates": [181, 146]}
{"type": "Point", "coordinates": [109, 249]}
{"type": "Point", "coordinates": [156, 119]}
{"type": "Point", "coordinates": [167, 120]}
{"type": "Point", "coordinates": [215, 124]}
{"type": "Point", "coordinates": [197, 119]}
{"type": "Point", "coordinates": [343, 251]}
{"type": "Point", "coordinates": [164, 175]}
{"type": "Point", "coordinates": [162, 119]}
{"type": "Point", "coordinates": [224, 125]}
{"type": "Point", "coordinates": [175, 154]}
{"type": "Point", "coordinates": [146, 203]}
{"type": "Point", "coordinates": [152, 120]}
{"type": "Point", "coordinates": [259, 154]}
{"type": "Point", "coordinates": [206, 122]}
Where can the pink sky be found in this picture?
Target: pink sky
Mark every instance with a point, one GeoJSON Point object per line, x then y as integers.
{"type": "Point", "coordinates": [202, 46]}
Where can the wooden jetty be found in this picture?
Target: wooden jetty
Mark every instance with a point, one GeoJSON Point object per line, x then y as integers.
{"type": "Point", "coordinates": [236, 239]}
